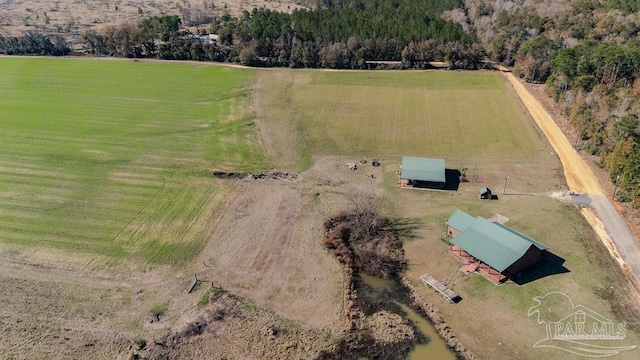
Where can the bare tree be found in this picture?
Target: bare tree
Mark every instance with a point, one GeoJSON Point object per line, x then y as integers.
{"type": "Point", "coordinates": [366, 207]}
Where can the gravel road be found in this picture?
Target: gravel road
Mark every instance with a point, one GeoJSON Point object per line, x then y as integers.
{"type": "Point", "coordinates": [601, 213]}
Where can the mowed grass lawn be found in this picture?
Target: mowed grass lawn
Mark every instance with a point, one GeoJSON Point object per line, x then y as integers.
{"type": "Point", "coordinates": [391, 114]}
{"type": "Point", "coordinates": [111, 158]}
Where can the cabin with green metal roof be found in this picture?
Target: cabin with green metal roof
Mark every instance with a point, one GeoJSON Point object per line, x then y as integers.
{"type": "Point", "coordinates": [458, 222]}
{"type": "Point", "coordinates": [423, 172]}
{"type": "Point", "coordinates": [502, 248]}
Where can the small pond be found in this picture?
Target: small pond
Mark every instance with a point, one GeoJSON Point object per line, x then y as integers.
{"type": "Point", "coordinates": [436, 348]}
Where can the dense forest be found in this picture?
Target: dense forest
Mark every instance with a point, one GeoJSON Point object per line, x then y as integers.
{"type": "Point", "coordinates": [587, 52]}
{"type": "Point", "coordinates": [335, 34]}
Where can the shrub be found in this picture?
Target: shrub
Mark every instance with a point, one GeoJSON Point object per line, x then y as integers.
{"type": "Point", "coordinates": [159, 310]}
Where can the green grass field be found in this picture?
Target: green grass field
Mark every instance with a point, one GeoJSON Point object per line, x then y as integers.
{"type": "Point", "coordinates": [455, 115]}
{"type": "Point", "coordinates": [111, 158]}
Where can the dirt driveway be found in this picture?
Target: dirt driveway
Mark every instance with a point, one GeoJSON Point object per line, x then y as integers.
{"type": "Point", "coordinates": [606, 221]}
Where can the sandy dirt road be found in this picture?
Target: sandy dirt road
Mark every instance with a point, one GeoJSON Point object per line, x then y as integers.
{"type": "Point", "coordinates": [601, 214]}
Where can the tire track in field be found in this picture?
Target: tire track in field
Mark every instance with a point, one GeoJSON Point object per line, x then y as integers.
{"type": "Point", "coordinates": [610, 226]}
{"type": "Point", "coordinates": [126, 226]}
{"type": "Point", "coordinates": [196, 208]}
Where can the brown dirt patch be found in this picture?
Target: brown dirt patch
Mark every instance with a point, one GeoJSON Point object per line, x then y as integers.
{"type": "Point", "coordinates": [230, 328]}
{"type": "Point", "coordinates": [267, 246]}
{"type": "Point", "coordinates": [47, 320]}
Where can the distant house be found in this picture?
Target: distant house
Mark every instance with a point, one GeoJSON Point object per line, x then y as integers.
{"type": "Point", "coordinates": [485, 193]}
{"type": "Point", "coordinates": [423, 173]}
{"type": "Point", "coordinates": [205, 39]}
{"type": "Point", "coordinates": [503, 252]}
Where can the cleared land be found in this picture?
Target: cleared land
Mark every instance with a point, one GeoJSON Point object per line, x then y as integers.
{"type": "Point", "coordinates": [479, 125]}
{"type": "Point", "coordinates": [390, 114]}
{"type": "Point", "coordinates": [106, 193]}
{"type": "Point", "coordinates": [109, 159]}
{"type": "Point", "coordinates": [105, 166]}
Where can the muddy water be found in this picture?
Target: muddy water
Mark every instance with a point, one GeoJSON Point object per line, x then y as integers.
{"type": "Point", "coordinates": [435, 348]}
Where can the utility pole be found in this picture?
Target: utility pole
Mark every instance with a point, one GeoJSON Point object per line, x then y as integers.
{"type": "Point", "coordinates": [505, 185]}
{"type": "Point", "coordinates": [613, 197]}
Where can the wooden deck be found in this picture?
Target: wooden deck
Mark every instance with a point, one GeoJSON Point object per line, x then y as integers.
{"type": "Point", "coordinates": [447, 293]}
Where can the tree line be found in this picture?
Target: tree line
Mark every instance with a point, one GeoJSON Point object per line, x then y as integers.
{"type": "Point", "coordinates": [587, 53]}
{"type": "Point", "coordinates": [601, 82]}
{"type": "Point", "coordinates": [336, 34]}
{"type": "Point", "coordinates": [342, 34]}
{"type": "Point", "coordinates": [32, 43]}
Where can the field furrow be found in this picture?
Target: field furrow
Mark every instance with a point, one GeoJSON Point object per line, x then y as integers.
{"type": "Point", "coordinates": [112, 158]}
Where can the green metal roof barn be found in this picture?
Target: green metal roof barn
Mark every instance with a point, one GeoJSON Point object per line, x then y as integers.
{"type": "Point", "coordinates": [424, 170]}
